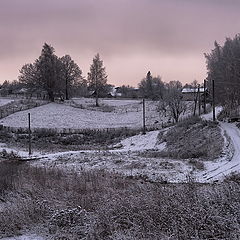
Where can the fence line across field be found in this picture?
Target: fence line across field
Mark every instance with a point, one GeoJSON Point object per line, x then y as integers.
{"type": "Point", "coordinates": [155, 119]}
{"type": "Point", "coordinates": [13, 107]}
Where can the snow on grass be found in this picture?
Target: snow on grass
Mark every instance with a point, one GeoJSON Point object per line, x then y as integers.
{"type": "Point", "coordinates": [209, 116]}
{"type": "Point", "coordinates": [24, 237]}
{"type": "Point", "coordinates": [129, 164]}
{"type": "Point", "coordinates": [126, 160]}
{"type": "Point", "coordinates": [125, 113]}
{"type": "Point", "coordinates": [140, 142]}
{"type": "Point", "coordinates": [4, 101]}
{"type": "Point", "coordinates": [111, 102]}
{"type": "Point", "coordinates": [55, 115]}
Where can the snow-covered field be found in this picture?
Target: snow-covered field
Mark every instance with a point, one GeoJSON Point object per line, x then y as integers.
{"type": "Point", "coordinates": [111, 102]}
{"type": "Point", "coordinates": [127, 152]}
{"type": "Point", "coordinates": [125, 158]}
{"type": "Point", "coordinates": [56, 115]}
{"type": "Point", "coordinates": [123, 113]}
{"type": "Point", "coordinates": [128, 157]}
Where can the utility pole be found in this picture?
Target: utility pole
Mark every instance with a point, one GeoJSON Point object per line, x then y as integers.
{"type": "Point", "coordinates": [213, 100]}
{"type": "Point", "coordinates": [29, 135]}
{"type": "Point", "coordinates": [199, 101]}
{"type": "Point", "coordinates": [204, 99]}
{"type": "Point", "coordinates": [144, 123]}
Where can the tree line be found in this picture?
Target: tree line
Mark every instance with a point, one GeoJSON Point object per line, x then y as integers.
{"type": "Point", "coordinates": [223, 68]}
{"type": "Point", "coordinates": [59, 76]}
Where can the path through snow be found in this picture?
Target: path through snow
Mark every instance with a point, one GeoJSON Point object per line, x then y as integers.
{"type": "Point", "coordinates": [222, 167]}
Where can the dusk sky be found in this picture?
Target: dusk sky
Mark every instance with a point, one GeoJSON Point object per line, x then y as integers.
{"type": "Point", "coordinates": [167, 37]}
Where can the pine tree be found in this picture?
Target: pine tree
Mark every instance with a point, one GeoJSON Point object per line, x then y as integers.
{"type": "Point", "coordinates": [97, 77]}
{"type": "Point", "coordinates": [223, 65]}
{"type": "Point", "coordinates": [47, 66]}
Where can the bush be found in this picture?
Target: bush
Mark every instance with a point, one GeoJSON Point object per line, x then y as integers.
{"type": "Point", "coordinates": [197, 164]}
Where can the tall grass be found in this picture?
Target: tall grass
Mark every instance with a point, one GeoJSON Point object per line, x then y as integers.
{"type": "Point", "coordinates": [100, 205]}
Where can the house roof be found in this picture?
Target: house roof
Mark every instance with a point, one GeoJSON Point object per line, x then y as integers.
{"type": "Point", "coordinates": [192, 90]}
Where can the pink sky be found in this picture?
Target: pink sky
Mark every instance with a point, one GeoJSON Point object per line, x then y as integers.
{"type": "Point", "coordinates": [167, 37]}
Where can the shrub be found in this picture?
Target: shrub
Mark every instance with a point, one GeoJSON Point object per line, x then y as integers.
{"type": "Point", "coordinates": [197, 164]}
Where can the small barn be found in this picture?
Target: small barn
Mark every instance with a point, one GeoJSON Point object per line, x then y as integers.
{"type": "Point", "coordinates": [190, 94]}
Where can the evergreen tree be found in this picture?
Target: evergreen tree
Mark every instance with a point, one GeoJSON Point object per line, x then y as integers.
{"type": "Point", "coordinates": [47, 65]}
{"type": "Point", "coordinates": [49, 73]}
{"type": "Point", "coordinates": [30, 77]}
{"type": "Point", "coordinates": [152, 87]}
{"type": "Point", "coordinates": [97, 77]}
{"type": "Point", "coordinates": [223, 65]}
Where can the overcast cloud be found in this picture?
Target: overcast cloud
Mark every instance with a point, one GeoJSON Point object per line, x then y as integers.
{"type": "Point", "coordinates": [132, 36]}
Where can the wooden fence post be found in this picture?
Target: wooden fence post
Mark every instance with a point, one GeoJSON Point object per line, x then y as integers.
{"type": "Point", "coordinates": [29, 134]}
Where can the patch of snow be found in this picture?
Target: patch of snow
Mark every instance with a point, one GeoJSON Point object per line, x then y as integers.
{"type": "Point", "coordinates": [24, 237]}
{"type": "Point", "coordinates": [209, 116]}
{"type": "Point", "coordinates": [4, 101]}
{"type": "Point", "coordinates": [140, 142]}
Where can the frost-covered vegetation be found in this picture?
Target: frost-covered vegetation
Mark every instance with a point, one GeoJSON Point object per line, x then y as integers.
{"type": "Point", "coordinates": [100, 205]}
{"type": "Point", "coordinates": [194, 138]}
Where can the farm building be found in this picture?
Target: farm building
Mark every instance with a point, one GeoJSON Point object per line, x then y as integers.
{"type": "Point", "coordinates": [189, 94]}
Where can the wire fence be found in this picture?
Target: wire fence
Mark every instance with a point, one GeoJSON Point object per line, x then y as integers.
{"type": "Point", "coordinates": [156, 120]}
{"type": "Point", "coordinates": [19, 105]}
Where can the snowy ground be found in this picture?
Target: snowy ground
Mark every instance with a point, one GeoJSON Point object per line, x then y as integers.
{"type": "Point", "coordinates": [124, 113]}
{"type": "Point", "coordinates": [24, 237]}
{"type": "Point", "coordinates": [230, 161]}
{"type": "Point", "coordinates": [125, 159]}
{"type": "Point", "coordinates": [85, 102]}
{"type": "Point", "coordinates": [55, 115]}
{"type": "Point", "coordinates": [4, 101]}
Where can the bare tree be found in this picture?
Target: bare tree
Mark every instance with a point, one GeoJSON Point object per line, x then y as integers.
{"type": "Point", "coordinates": [173, 103]}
